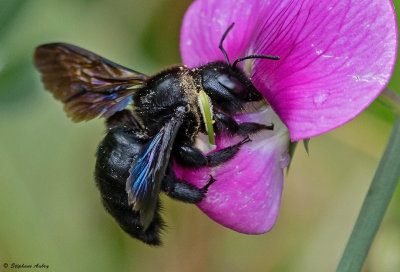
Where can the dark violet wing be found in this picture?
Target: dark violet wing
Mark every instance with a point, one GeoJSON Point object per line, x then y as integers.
{"type": "Point", "coordinates": [147, 173]}
{"type": "Point", "coordinates": [87, 84]}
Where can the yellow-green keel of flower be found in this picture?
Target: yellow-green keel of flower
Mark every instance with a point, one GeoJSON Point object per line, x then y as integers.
{"type": "Point", "coordinates": [207, 113]}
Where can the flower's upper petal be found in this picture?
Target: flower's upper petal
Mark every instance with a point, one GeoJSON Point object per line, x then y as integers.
{"type": "Point", "coordinates": [336, 56]}
{"type": "Point", "coordinates": [246, 194]}
{"type": "Point", "coordinates": [206, 21]}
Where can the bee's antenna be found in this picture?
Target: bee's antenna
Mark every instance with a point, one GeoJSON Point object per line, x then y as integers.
{"type": "Point", "coordinates": [254, 57]}
{"type": "Point", "coordinates": [244, 58]}
{"type": "Point", "coordinates": [222, 40]}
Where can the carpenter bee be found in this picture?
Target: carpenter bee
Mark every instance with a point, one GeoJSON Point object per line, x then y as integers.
{"type": "Point", "coordinates": [169, 110]}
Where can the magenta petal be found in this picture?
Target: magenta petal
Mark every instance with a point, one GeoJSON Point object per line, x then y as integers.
{"type": "Point", "coordinates": [246, 194]}
{"type": "Point", "coordinates": [206, 21]}
{"type": "Point", "coordinates": [336, 56]}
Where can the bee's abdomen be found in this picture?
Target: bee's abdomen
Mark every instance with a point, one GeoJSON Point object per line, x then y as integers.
{"type": "Point", "coordinates": [115, 156]}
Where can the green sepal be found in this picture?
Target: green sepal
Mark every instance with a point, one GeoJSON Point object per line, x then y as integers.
{"type": "Point", "coordinates": [306, 145]}
{"type": "Point", "coordinates": [292, 148]}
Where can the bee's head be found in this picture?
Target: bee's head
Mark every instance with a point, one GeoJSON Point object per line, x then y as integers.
{"type": "Point", "coordinates": [227, 87]}
{"type": "Point", "coordinates": [226, 84]}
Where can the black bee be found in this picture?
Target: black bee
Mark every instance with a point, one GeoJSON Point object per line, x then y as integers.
{"type": "Point", "coordinates": [170, 109]}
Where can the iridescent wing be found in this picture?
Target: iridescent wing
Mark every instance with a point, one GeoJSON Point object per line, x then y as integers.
{"type": "Point", "coordinates": [148, 171]}
{"type": "Point", "coordinates": [87, 84]}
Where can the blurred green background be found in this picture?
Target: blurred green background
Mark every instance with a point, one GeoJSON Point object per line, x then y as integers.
{"type": "Point", "coordinates": [50, 210]}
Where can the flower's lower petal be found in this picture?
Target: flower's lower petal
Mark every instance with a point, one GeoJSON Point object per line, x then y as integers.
{"type": "Point", "coordinates": [246, 194]}
{"type": "Point", "coordinates": [336, 56]}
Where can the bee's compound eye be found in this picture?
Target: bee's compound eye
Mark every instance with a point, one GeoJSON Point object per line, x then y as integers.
{"type": "Point", "coordinates": [225, 81]}
{"type": "Point", "coordinates": [233, 85]}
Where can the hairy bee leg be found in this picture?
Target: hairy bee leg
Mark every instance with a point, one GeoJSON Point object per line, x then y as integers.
{"type": "Point", "coordinates": [225, 154]}
{"type": "Point", "coordinates": [124, 118]}
{"type": "Point", "coordinates": [226, 123]}
{"type": "Point", "coordinates": [192, 157]}
{"type": "Point", "coordinates": [181, 190]}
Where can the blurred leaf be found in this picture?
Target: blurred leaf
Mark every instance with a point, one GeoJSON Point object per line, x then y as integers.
{"type": "Point", "coordinates": [15, 76]}
{"type": "Point", "coordinates": [8, 11]}
{"type": "Point", "coordinates": [160, 39]}
{"type": "Point", "coordinates": [380, 110]}
{"type": "Point", "coordinates": [16, 82]}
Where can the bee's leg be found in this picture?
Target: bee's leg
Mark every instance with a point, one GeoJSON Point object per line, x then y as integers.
{"type": "Point", "coordinates": [227, 124]}
{"type": "Point", "coordinates": [181, 190]}
{"type": "Point", "coordinates": [192, 157]}
{"type": "Point", "coordinates": [124, 118]}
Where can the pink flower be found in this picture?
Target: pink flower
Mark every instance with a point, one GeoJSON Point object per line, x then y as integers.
{"type": "Point", "coordinates": [336, 57]}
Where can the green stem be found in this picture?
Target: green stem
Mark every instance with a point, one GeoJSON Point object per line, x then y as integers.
{"type": "Point", "coordinates": [375, 205]}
